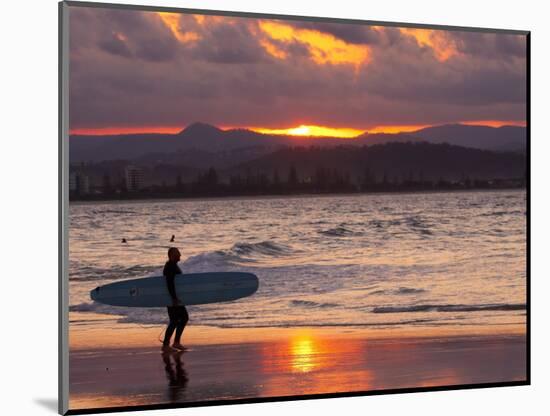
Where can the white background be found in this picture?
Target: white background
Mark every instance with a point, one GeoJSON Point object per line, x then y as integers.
{"type": "Point", "coordinates": [29, 205]}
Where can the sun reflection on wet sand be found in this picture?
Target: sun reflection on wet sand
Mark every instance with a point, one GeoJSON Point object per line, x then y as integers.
{"type": "Point", "coordinates": [307, 363]}
{"type": "Point", "coordinates": [302, 351]}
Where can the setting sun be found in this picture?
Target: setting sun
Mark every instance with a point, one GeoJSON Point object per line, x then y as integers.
{"type": "Point", "coordinates": [315, 131]}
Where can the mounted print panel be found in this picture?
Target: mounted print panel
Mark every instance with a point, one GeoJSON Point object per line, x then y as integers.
{"type": "Point", "coordinates": [262, 208]}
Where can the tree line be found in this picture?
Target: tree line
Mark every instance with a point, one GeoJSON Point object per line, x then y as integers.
{"type": "Point", "coordinates": [322, 180]}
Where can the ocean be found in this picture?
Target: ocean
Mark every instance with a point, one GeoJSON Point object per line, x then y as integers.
{"type": "Point", "coordinates": [382, 261]}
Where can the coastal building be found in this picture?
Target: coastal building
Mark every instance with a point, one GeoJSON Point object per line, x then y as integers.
{"type": "Point", "coordinates": [73, 182]}
{"type": "Point", "coordinates": [79, 183]}
{"type": "Point", "coordinates": [134, 178]}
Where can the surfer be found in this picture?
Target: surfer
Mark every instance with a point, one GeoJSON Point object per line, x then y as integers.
{"type": "Point", "coordinates": [173, 238]}
{"type": "Point", "coordinates": [177, 313]}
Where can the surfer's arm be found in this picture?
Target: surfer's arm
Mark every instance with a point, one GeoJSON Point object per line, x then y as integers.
{"type": "Point", "coordinates": [170, 282]}
{"type": "Point", "coordinates": [170, 271]}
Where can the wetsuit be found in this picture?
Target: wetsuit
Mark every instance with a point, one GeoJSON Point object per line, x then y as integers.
{"type": "Point", "coordinates": [177, 314]}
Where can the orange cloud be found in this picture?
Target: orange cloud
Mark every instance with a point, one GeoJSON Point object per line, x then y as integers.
{"type": "Point", "coordinates": [437, 40]}
{"type": "Point", "coordinates": [171, 20]}
{"type": "Point", "coordinates": [200, 18]}
{"type": "Point", "coordinates": [203, 19]}
{"type": "Point", "coordinates": [272, 49]}
{"type": "Point", "coordinates": [324, 48]}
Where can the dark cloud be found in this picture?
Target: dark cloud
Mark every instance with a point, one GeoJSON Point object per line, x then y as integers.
{"type": "Point", "coordinates": [490, 45]}
{"type": "Point", "coordinates": [294, 49]}
{"type": "Point", "coordinates": [124, 33]}
{"type": "Point", "coordinates": [152, 50]}
{"type": "Point", "coordinates": [228, 43]}
{"type": "Point", "coordinates": [116, 46]}
{"type": "Point", "coordinates": [461, 80]}
{"type": "Point", "coordinates": [350, 33]}
{"type": "Point", "coordinates": [511, 45]}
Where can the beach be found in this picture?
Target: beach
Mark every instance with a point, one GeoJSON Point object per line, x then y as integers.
{"type": "Point", "coordinates": [125, 366]}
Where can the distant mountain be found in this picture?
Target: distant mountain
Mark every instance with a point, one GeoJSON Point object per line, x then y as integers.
{"type": "Point", "coordinates": [210, 138]}
{"type": "Point", "coordinates": [505, 138]}
{"type": "Point", "coordinates": [199, 141]}
{"type": "Point", "coordinates": [200, 129]}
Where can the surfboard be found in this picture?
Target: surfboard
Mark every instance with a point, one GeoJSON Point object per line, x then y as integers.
{"type": "Point", "coordinates": [191, 288]}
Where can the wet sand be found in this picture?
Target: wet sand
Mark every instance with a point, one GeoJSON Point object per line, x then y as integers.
{"type": "Point", "coordinates": [281, 363]}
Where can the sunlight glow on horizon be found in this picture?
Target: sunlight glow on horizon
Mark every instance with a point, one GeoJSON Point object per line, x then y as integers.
{"type": "Point", "coordinates": [398, 128]}
{"type": "Point", "coordinates": [298, 131]}
{"type": "Point", "coordinates": [98, 131]}
{"type": "Point", "coordinates": [495, 123]}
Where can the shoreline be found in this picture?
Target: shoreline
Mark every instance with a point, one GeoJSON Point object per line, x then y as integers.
{"type": "Point", "coordinates": [104, 332]}
{"type": "Point", "coordinates": [285, 196]}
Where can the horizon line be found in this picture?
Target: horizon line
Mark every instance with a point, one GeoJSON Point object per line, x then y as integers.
{"type": "Point", "coordinates": [301, 130]}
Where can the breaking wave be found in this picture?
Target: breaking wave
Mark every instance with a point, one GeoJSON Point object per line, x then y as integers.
{"type": "Point", "coordinates": [239, 253]}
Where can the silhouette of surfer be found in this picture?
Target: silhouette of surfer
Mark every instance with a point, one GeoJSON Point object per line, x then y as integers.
{"type": "Point", "coordinates": [173, 238]}
{"type": "Point", "coordinates": [123, 240]}
{"type": "Point", "coordinates": [177, 312]}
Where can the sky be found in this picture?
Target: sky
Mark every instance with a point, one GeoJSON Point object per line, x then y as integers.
{"type": "Point", "coordinates": [134, 71]}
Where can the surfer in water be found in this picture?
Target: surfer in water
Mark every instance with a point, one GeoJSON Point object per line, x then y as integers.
{"type": "Point", "coordinates": [177, 312]}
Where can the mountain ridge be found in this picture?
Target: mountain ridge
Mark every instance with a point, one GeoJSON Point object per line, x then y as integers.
{"type": "Point", "coordinates": [206, 137]}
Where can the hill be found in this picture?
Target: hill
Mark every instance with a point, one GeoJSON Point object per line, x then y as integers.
{"type": "Point", "coordinates": [504, 138]}
{"type": "Point", "coordinates": [401, 161]}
